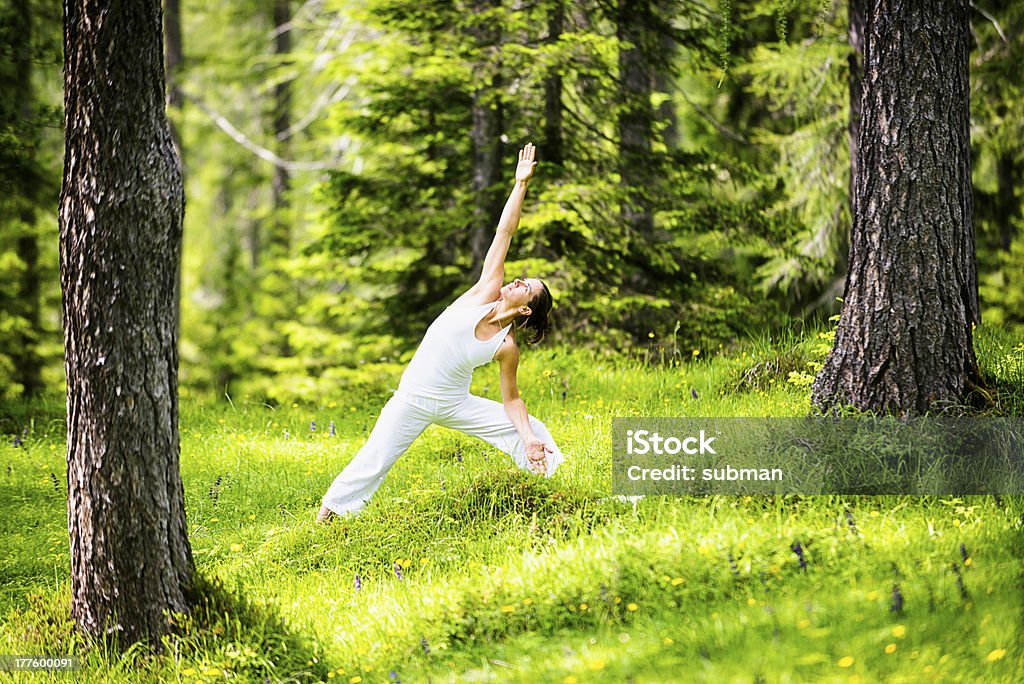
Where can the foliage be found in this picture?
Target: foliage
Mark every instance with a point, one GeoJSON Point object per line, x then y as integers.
{"type": "Point", "coordinates": [745, 175]}
{"type": "Point", "coordinates": [400, 225]}
{"type": "Point", "coordinates": [29, 116]}
{"type": "Point", "coordinates": [997, 127]}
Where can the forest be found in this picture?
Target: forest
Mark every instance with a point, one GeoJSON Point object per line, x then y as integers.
{"type": "Point", "coordinates": [227, 226]}
{"type": "Point", "coordinates": [345, 164]}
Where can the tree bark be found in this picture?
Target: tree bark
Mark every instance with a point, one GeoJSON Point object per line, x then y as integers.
{"type": "Point", "coordinates": [121, 212]}
{"type": "Point", "coordinates": [904, 342]}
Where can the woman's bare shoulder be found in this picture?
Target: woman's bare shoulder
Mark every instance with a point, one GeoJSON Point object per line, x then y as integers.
{"type": "Point", "coordinates": [472, 297]}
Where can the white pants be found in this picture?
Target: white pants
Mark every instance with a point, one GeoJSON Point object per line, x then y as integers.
{"type": "Point", "coordinates": [402, 420]}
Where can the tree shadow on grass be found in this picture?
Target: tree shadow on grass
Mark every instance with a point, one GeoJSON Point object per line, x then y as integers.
{"type": "Point", "coordinates": [224, 634]}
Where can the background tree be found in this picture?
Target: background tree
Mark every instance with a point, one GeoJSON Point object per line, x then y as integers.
{"type": "Point", "coordinates": [743, 119]}
{"type": "Point", "coordinates": [121, 211]}
{"type": "Point", "coordinates": [29, 55]}
{"type": "Point", "coordinates": [997, 129]}
{"type": "Point", "coordinates": [904, 341]}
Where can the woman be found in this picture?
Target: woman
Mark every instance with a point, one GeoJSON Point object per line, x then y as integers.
{"type": "Point", "coordinates": [479, 326]}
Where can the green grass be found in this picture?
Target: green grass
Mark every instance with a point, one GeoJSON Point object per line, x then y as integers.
{"type": "Point", "coordinates": [506, 577]}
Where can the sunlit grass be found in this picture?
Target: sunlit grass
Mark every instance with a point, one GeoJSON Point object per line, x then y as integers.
{"type": "Point", "coordinates": [469, 569]}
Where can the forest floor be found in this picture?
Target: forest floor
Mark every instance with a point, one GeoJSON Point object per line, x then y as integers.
{"type": "Point", "coordinates": [464, 568]}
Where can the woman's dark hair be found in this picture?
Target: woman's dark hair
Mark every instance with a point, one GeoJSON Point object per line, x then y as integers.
{"type": "Point", "coordinates": [536, 325]}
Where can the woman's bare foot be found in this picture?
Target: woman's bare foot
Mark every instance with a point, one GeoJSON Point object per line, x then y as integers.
{"type": "Point", "coordinates": [325, 515]}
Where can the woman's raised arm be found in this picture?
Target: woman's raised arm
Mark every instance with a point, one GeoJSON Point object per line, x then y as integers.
{"type": "Point", "coordinates": [493, 273]}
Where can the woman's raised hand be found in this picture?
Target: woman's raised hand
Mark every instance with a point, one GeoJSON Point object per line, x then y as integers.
{"type": "Point", "coordinates": [526, 165]}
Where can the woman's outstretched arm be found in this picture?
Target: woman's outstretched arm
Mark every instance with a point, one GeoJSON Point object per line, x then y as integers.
{"type": "Point", "coordinates": [493, 273]}
{"type": "Point", "coordinates": [536, 450]}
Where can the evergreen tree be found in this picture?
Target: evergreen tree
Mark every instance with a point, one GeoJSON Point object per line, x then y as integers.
{"type": "Point", "coordinates": [29, 49]}
{"type": "Point", "coordinates": [997, 130]}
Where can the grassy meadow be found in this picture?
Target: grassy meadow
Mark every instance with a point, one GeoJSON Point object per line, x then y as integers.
{"type": "Point", "coordinates": [465, 569]}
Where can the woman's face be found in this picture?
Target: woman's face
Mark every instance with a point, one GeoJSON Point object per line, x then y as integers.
{"type": "Point", "coordinates": [520, 291]}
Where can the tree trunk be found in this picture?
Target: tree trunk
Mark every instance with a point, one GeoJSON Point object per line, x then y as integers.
{"type": "Point", "coordinates": [25, 357]}
{"type": "Point", "coordinates": [486, 137]}
{"type": "Point", "coordinates": [664, 82]}
{"type": "Point", "coordinates": [553, 151]}
{"type": "Point", "coordinates": [904, 342]}
{"type": "Point", "coordinates": [636, 80]}
{"type": "Point", "coordinates": [121, 213]}
{"type": "Point", "coordinates": [175, 57]}
{"type": "Point", "coordinates": [280, 237]}
{"type": "Point", "coordinates": [1007, 207]}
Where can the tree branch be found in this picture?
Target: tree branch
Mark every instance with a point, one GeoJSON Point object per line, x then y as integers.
{"type": "Point", "coordinates": [992, 19]}
{"type": "Point", "coordinates": [257, 149]}
{"type": "Point", "coordinates": [720, 127]}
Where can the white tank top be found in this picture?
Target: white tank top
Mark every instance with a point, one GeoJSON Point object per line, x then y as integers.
{"type": "Point", "coordinates": [442, 367]}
